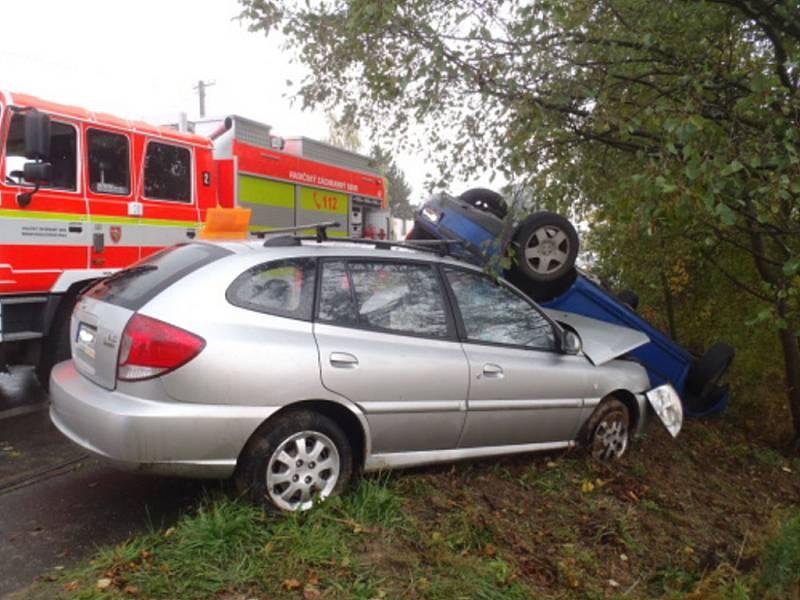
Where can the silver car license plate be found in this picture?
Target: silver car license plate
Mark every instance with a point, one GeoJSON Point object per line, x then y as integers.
{"type": "Point", "coordinates": [85, 339]}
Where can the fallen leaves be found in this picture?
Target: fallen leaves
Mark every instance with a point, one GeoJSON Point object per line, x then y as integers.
{"type": "Point", "coordinates": [588, 486]}
{"type": "Point", "coordinates": [103, 583]}
{"type": "Point", "coordinates": [357, 527]}
{"type": "Point", "coordinates": [292, 584]}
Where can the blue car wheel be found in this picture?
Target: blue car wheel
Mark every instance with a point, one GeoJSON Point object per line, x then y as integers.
{"type": "Point", "coordinates": [547, 246]}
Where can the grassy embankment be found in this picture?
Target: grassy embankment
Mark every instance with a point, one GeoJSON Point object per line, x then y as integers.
{"type": "Point", "coordinates": [711, 515]}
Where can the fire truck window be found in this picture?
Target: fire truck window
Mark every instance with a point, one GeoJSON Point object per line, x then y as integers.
{"type": "Point", "coordinates": [168, 173]}
{"type": "Point", "coordinates": [63, 154]}
{"type": "Point", "coordinates": [109, 162]}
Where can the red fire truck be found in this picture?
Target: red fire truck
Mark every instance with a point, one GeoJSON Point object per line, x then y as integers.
{"type": "Point", "coordinates": [84, 194]}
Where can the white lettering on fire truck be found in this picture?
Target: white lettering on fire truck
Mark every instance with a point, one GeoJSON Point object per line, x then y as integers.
{"type": "Point", "coordinates": [44, 231]}
{"type": "Point", "coordinates": [323, 181]}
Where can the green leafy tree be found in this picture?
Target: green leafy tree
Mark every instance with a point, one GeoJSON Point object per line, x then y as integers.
{"type": "Point", "coordinates": [678, 120]}
{"type": "Point", "coordinates": [398, 189]}
{"type": "Point", "coordinates": [343, 133]}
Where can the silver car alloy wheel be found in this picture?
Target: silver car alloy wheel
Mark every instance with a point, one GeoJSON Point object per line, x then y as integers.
{"type": "Point", "coordinates": [610, 437]}
{"type": "Point", "coordinates": [303, 468]}
{"type": "Point", "coordinates": [547, 249]}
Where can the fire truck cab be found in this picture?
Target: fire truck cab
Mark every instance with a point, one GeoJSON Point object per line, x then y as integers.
{"type": "Point", "coordinates": [84, 194]}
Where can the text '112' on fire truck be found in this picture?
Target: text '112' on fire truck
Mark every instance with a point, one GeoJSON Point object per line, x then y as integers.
{"type": "Point", "coordinates": [84, 194]}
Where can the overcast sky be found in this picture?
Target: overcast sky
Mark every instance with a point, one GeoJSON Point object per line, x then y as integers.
{"type": "Point", "coordinates": [142, 59]}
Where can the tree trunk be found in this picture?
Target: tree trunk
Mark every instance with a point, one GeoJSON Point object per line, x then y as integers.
{"type": "Point", "coordinates": [788, 335]}
{"type": "Point", "coordinates": [791, 357]}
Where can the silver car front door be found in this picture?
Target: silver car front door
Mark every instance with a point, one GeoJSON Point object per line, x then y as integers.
{"type": "Point", "coordinates": [522, 389]}
{"type": "Point", "coordinates": [387, 343]}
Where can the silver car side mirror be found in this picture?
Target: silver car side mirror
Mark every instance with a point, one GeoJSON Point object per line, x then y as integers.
{"type": "Point", "coordinates": [571, 343]}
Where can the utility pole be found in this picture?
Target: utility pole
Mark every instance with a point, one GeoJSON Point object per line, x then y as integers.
{"type": "Point", "coordinates": [201, 92]}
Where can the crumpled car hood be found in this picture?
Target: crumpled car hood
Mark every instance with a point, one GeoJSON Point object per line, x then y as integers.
{"type": "Point", "coordinates": [601, 341]}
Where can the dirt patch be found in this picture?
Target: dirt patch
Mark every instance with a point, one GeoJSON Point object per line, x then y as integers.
{"type": "Point", "coordinates": [671, 512]}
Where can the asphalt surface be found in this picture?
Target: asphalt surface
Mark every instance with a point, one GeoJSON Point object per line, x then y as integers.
{"type": "Point", "coordinates": [57, 505]}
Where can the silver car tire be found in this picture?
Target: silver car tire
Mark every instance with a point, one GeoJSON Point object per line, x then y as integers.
{"type": "Point", "coordinates": [300, 458]}
{"type": "Point", "coordinates": [609, 431]}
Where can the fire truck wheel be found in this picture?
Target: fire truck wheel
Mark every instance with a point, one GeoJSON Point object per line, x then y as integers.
{"type": "Point", "coordinates": [55, 346]}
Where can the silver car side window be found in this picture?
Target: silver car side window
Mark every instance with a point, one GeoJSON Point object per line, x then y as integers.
{"type": "Point", "coordinates": [493, 313]}
{"type": "Point", "coordinates": [399, 297]}
{"type": "Point", "coordinates": [336, 302]}
{"type": "Point", "coordinates": [284, 288]}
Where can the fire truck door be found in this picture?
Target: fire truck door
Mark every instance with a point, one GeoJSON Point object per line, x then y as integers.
{"type": "Point", "coordinates": [169, 208]}
{"type": "Point", "coordinates": [48, 234]}
{"type": "Point", "coordinates": [109, 188]}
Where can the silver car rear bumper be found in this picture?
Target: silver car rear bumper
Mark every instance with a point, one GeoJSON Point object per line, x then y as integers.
{"type": "Point", "coordinates": [171, 438]}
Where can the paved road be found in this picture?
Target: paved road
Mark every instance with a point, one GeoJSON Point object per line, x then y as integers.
{"type": "Point", "coordinates": [57, 506]}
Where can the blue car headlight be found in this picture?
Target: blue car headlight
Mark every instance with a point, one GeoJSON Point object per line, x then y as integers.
{"type": "Point", "coordinates": [433, 215]}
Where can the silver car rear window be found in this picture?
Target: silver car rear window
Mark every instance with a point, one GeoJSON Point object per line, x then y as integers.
{"type": "Point", "coordinates": [133, 287]}
{"type": "Point", "coordinates": [283, 287]}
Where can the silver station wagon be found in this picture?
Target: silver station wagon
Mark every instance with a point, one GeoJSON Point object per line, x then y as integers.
{"type": "Point", "coordinates": [294, 365]}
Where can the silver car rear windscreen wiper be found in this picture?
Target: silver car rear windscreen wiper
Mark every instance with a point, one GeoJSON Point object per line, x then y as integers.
{"type": "Point", "coordinates": [132, 271]}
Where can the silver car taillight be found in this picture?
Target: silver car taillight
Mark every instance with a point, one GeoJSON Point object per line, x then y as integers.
{"type": "Point", "coordinates": [151, 348]}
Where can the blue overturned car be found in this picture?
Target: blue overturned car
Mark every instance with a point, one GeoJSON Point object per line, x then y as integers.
{"type": "Point", "coordinates": [544, 247]}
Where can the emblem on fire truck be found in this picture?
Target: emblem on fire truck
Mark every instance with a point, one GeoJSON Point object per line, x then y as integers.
{"type": "Point", "coordinates": [116, 233]}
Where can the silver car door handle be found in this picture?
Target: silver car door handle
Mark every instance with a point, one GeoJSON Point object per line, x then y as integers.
{"type": "Point", "coordinates": [492, 370]}
{"type": "Point", "coordinates": [343, 360]}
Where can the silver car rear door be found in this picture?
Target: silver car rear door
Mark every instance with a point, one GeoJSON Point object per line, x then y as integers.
{"type": "Point", "coordinates": [387, 342]}
{"type": "Point", "coordinates": [522, 389]}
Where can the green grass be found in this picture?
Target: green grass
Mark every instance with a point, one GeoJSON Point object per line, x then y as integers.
{"type": "Point", "coordinates": [339, 549]}
{"type": "Point", "coordinates": [768, 456]}
{"type": "Point", "coordinates": [518, 528]}
{"type": "Point", "coordinates": [781, 561]}
{"type": "Point", "coordinates": [671, 578]}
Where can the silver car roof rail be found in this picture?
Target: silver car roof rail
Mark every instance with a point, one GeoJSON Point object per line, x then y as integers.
{"type": "Point", "coordinates": [320, 228]}
{"type": "Point", "coordinates": [440, 247]}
